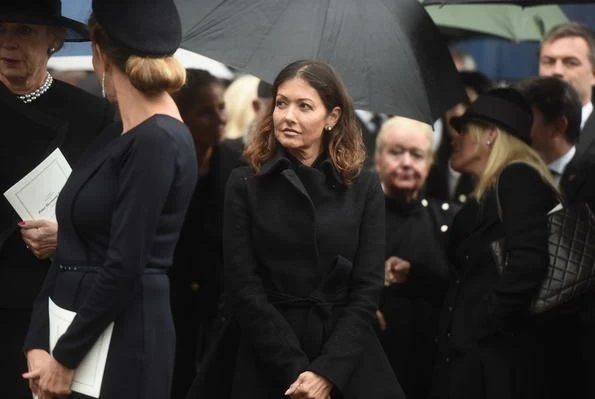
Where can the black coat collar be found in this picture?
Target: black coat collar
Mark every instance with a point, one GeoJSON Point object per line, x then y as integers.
{"type": "Point", "coordinates": [282, 160]}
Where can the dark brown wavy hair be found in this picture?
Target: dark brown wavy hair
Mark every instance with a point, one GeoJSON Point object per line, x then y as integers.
{"type": "Point", "coordinates": [344, 143]}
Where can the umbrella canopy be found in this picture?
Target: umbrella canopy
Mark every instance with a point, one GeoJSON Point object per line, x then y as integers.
{"type": "Point", "coordinates": [509, 21]}
{"type": "Point", "coordinates": [389, 52]}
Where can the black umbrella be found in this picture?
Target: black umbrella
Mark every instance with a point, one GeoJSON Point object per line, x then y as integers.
{"type": "Point", "coordinates": [389, 52]}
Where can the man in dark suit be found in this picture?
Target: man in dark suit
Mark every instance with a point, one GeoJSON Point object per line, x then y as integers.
{"type": "Point", "coordinates": [556, 120]}
{"type": "Point", "coordinates": [568, 52]}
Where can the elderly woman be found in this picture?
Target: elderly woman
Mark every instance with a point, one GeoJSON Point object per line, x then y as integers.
{"type": "Point", "coordinates": [304, 228]}
{"type": "Point", "coordinates": [415, 266]}
{"type": "Point", "coordinates": [38, 114]}
{"type": "Point", "coordinates": [487, 338]}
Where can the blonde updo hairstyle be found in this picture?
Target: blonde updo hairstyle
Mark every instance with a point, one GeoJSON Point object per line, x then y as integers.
{"type": "Point", "coordinates": [147, 74]}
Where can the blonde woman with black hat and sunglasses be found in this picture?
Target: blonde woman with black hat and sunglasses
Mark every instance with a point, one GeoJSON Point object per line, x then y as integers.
{"type": "Point", "coordinates": [487, 339]}
{"type": "Point", "coordinates": [120, 215]}
{"type": "Point", "coordinates": [38, 114]}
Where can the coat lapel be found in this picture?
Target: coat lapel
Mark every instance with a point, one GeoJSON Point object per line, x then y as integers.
{"type": "Point", "coordinates": [586, 138]}
{"type": "Point", "coordinates": [279, 162]}
{"type": "Point", "coordinates": [31, 135]}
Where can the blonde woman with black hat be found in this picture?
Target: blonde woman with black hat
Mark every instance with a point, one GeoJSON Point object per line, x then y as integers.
{"type": "Point", "coordinates": [120, 214]}
{"type": "Point", "coordinates": [487, 338]}
{"type": "Point", "coordinates": [37, 115]}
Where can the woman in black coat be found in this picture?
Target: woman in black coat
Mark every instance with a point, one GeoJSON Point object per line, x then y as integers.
{"type": "Point", "coordinates": [416, 271]}
{"type": "Point", "coordinates": [196, 275]}
{"type": "Point", "coordinates": [120, 214]}
{"type": "Point", "coordinates": [487, 338]}
{"type": "Point", "coordinates": [38, 114]}
{"type": "Point", "coordinates": [304, 248]}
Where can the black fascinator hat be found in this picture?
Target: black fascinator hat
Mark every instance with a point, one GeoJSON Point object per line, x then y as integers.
{"type": "Point", "coordinates": [43, 12]}
{"type": "Point", "coordinates": [148, 28]}
{"type": "Point", "coordinates": [505, 108]}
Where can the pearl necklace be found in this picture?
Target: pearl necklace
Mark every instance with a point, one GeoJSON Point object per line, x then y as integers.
{"type": "Point", "coordinates": [34, 95]}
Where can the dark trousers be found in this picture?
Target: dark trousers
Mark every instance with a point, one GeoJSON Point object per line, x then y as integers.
{"type": "Point", "coordinates": [13, 363]}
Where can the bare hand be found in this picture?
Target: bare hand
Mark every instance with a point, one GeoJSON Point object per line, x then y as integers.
{"type": "Point", "coordinates": [40, 236]}
{"type": "Point", "coordinates": [37, 359]}
{"type": "Point", "coordinates": [381, 320]}
{"type": "Point", "coordinates": [310, 385]}
{"type": "Point", "coordinates": [396, 271]}
{"type": "Point", "coordinates": [54, 380]}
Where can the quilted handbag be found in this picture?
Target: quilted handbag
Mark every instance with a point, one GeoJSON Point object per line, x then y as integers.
{"type": "Point", "coordinates": [571, 247]}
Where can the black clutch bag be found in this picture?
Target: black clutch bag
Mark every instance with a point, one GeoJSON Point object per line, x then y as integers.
{"type": "Point", "coordinates": [571, 247]}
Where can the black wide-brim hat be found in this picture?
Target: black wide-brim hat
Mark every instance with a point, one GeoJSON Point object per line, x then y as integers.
{"type": "Point", "coordinates": [43, 12]}
{"type": "Point", "coordinates": [149, 28]}
{"type": "Point", "coordinates": [505, 108]}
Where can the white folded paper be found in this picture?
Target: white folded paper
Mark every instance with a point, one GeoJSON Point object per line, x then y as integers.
{"type": "Point", "coordinates": [35, 195]}
{"type": "Point", "coordinates": [89, 374]}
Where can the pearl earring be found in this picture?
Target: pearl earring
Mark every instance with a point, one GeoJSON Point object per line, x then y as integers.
{"type": "Point", "coordinates": [489, 143]}
{"type": "Point", "coordinates": [329, 128]}
{"type": "Point", "coordinates": [51, 51]}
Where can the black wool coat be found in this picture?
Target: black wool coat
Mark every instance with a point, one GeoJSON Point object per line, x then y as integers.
{"type": "Point", "coordinates": [65, 117]}
{"type": "Point", "coordinates": [487, 338]}
{"type": "Point", "coordinates": [416, 232]}
{"type": "Point", "coordinates": [303, 271]}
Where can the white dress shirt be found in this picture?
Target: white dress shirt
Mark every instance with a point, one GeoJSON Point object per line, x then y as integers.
{"type": "Point", "coordinates": [586, 113]}
{"type": "Point", "coordinates": [557, 167]}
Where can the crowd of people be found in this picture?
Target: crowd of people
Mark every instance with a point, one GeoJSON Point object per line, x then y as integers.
{"type": "Point", "coordinates": [266, 239]}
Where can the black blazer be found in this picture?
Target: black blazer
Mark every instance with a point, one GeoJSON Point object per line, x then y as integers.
{"type": "Point", "coordinates": [65, 117]}
{"type": "Point", "coordinates": [577, 183]}
{"type": "Point", "coordinates": [303, 271]}
{"type": "Point", "coordinates": [486, 336]}
{"type": "Point", "coordinates": [585, 147]}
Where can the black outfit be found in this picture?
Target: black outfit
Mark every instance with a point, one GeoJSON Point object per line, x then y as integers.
{"type": "Point", "coordinates": [303, 271]}
{"type": "Point", "coordinates": [369, 137]}
{"type": "Point", "coordinates": [569, 334]}
{"type": "Point", "coordinates": [487, 338]}
{"type": "Point", "coordinates": [418, 233]}
{"type": "Point", "coordinates": [120, 214]}
{"type": "Point", "coordinates": [576, 183]}
{"type": "Point", "coordinates": [197, 272]}
{"type": "Point", "coordinates": [64, 117]}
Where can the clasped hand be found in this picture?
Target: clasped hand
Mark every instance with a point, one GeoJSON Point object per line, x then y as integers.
{"type": "Point", "coordinates": [48, 379]}
{"type": "Point", "coordinates": [396, 271]}
{"type": "Point", "coordinates": [40, 236]}
{"type": "Point", "coordinates": [310, 385]}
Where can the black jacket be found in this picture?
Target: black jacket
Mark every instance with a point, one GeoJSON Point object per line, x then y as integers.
{"type": "Point", "coordinates": [64, 117]}
{"type": "Point", "coordinates": [416, 232]}
{"type": "Point", "coordinates": [303, 271]}
{"type": "Point", "coordinates": [487, 337]}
